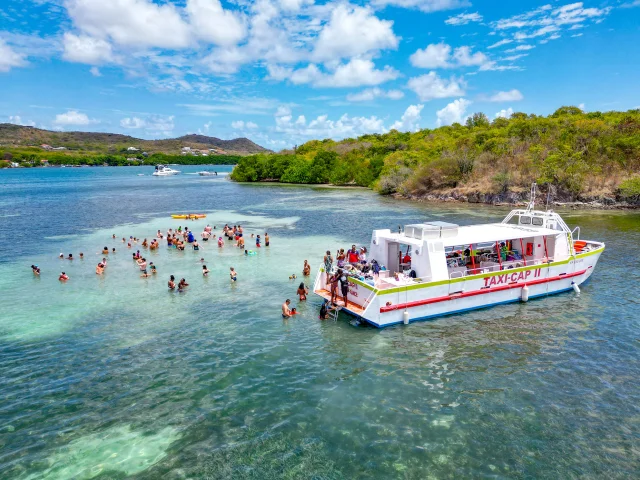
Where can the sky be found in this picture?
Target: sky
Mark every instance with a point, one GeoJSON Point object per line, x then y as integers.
{"type": "Point", "coordinates": [282, 72]}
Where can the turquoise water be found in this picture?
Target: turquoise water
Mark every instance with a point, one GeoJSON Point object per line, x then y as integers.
{"type": "Point", "coordinates": [115, 377]}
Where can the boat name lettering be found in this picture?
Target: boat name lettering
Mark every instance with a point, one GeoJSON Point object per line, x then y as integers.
{"type": "Point", "coordinates": [511, 277]}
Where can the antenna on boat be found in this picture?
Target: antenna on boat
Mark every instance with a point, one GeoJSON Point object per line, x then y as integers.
{"type": "Point", "coordinates": [532, 199]}
{"type": "Point", "coordinates": [548, 193]}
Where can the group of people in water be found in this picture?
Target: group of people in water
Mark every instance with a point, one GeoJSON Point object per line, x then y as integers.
{"type": "Point", "coordinates": [181, 237]}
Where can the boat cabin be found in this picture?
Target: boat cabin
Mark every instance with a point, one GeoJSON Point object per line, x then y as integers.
{"type": "Point", "coordinates": [437, 251]}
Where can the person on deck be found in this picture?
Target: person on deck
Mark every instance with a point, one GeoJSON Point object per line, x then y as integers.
{"type": "Point", "coordinates": [328, 264]}
{"type": "Point", "coordinates": [352, 255]}
{"type": "Point", "coordinates": [344, 286]}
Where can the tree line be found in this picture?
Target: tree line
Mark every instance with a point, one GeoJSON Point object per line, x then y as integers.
{"type": "Point", "coordinates": [594, 153]}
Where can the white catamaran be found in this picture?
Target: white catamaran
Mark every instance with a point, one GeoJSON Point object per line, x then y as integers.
{"type": "Point", "coordinates": [437, 268]}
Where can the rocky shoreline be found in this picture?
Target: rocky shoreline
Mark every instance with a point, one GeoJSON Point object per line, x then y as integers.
{"type": "Point", "coordinates": [522, 199]}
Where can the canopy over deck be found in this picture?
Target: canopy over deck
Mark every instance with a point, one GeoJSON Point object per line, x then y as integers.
{"type": "Point", "coordinates": [495, 232]}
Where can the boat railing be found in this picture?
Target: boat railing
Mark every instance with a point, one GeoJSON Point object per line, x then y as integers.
{"type": "Point", "coordinates": [575, 233]}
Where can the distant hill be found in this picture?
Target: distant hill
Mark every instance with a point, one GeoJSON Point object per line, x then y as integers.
{"type": "Point", "coordinates": [109, 143]}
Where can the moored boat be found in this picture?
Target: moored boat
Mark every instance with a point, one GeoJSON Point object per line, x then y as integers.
{"type": "Point", "coordinates": [208, 174]}
{"type": "Point", "coordinates": [164, 171]}
{"type": "Point", "coordinates": [434, 269]}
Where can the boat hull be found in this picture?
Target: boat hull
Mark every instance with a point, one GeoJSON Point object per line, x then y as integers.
{"type": "Point", "coordinates": [383, 308]}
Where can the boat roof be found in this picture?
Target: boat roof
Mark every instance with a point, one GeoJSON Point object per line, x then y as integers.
{"type": "Point", "coordinates": [494, 232]}
{"type": "Point", "coordinates": [474, 234]}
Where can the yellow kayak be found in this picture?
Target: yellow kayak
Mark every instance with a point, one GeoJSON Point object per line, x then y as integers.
{"type": "Point", "coordinates": [190, 216]}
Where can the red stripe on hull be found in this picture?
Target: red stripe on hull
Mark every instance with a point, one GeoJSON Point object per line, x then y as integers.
{"type": "Point", "coordinates": [483, 291]}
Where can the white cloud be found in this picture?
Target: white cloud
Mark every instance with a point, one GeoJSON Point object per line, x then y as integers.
{"type": "Point", "coordinates": [17, 120]}
{"type": "Point", "coordinates": [242, 125]}
{"type": "Point", "coordinates": [430, 86]}
{"type": "Point", "coordinates": [155, 124]}
{"type": "Point", "coordinates": [510, 96]}
{"type": "Point", "coordinates": [212, 23]}
{"type": "Point", "coordinates": [453, 112]}
{"type": "Point", "coordinates": [577, 35]}
{"type": "Point", "coordinates": [504, 113]}
{"type": "Point", "coordinates": [409, 120]}
{"type": "Point", "coordinates": [582, 107]}
{"type": "Point", "coordinates": [9, 58]}
{"type": "Point", "coordinates": [436, 55]}
{"type": "Point", "coordinates": [73, 117]}
{"type": "Point", "coordinates": [136, 23]}
{"type": "Point", "coordinates": [521, 48]}
{"type": "Point", "coordinates": [463, 19]}
{"type": "Point", "coordinates": [426, 6]}
{"type": "Point", "coordinates": [294, 5]}
{"type": "Point", "coordinates": [506, 41]}
{"type": "Point", "coordinates": [547, 19]}
{"type": "Point", "coordinates": [353, 31]}
{"type": "Point", "coordinates": [323, 127]}
{"type": "Point", "coordinates": [86, 49]}
{"type": "Point", "coordinates": [370, 94]}
{"type": "Point", "coordinates": [356, 73]}
{"type": "Point", "coordinates": [465, 58]}
{"type": "Point", "coordinates": [513, 58]}
{"type": "Point", "coordinates": [95, 71]}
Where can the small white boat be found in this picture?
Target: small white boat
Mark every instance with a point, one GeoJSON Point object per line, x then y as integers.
{"type": "Point", "coordinates": [141, 174]}
{"type": "Point", "coordinates": [434, 269]}
{"type": "Point", "coordinates": [208, 174]}
{"type": "Point", "coordinates": [164, 171]}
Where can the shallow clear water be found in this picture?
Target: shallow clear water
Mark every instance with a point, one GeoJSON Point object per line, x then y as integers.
{"type": "Point", "coordinates": [115, 377]}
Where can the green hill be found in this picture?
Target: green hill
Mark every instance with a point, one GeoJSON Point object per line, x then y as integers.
{"type": "Point", "coordinates": [576, 155]}
{"type": "Point", "coordinates": [31, 146]}
{"type": "Point", "coordinates": [20, 136]}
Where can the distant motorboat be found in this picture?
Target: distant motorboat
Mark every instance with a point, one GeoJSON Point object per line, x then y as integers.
{"type": "Point", "coordinates": [208, 174]}
{"type": "Point", "coordinates": [163, 171]}
{"type": "Point", "coordinates": [141, 174]}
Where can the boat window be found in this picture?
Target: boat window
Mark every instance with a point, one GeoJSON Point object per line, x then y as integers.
{"type": "Point", "coordinates": [525, 220]}
{"type": "Point", "coordinates": [537, 221]}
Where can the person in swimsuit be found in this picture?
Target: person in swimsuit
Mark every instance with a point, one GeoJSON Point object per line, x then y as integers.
{"type": "Point", "coordinates": [104, 262]}
{"type": "Point", "coordinates": [233, 274]}
{"type": "Point", "coordinates": [172, 283]}
{"type": "Point", "coordinates": [105, 251]}
{"type": "Point", "coordinates": [302, 292]}
{"type": "Point", "coordinates": [145, 274]}
{"type": "Point", "coordinates": [35, 269]}
{"type": "Point", "coordinates": [113, 250]}
{"type": "Point", "coordinates": [205, 271]}
{"type": "Point", "coordinates": [341, 257]}
{"type": "Point", "coordinates": [325, 309]}
{"type": "Point", "coordinates": [145, 244]}
{"type": "Point", "coordinates": [159, 234]}
{"type": "Point", "coordinates": [286, 312]}
{"type": "Point", "coordinates": [258, 241]}
{"type": "Point", "coordinates": [333, 281]}
{"type": "Point", "coordinates": [153, 268]}
{"type": "Point", "coordinates": [266, 239]}
{"type": "Point", "coordinates": [63, 277]}
{"type": "Point", "coordinates": [195, 246]}
{"type": "Point", "coordinates": [70, 257]}
{"type": "Point", "coordinates": [100, 269]}
{"type": "Point", "coordinates": [306, 269]}
{"type": "Point", "coordinates": [182, 285]}
{"type": "Point", "coordinates": [328, 264]}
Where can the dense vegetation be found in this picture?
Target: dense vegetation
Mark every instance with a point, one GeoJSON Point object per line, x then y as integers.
{"type": "Point", "coordinates": [580, 154]}
{"type": "Point", "coordinates": [33, 156]}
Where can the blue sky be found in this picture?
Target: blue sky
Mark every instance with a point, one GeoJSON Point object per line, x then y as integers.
{"type": "Point", "coordinates": [282, 72]}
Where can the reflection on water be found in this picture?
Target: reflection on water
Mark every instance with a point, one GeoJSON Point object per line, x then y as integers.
{"type": "Point", "coordinates": [114, 377]}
